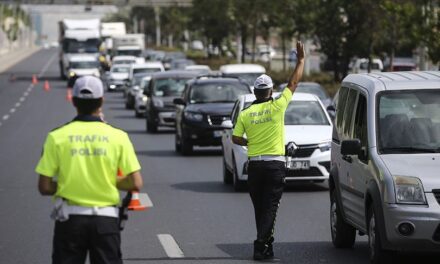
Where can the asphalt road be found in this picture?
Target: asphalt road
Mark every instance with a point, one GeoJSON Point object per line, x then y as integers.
{"type": "Point", "coordinates": [209, 221]}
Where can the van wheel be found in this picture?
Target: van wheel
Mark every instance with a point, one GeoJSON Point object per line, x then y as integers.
{"type": "Point", "coordinates": [343, 234]}
{"type": "Point", "coordinates": [227, 175]}
{"type": "Point", "coordinates": [238, 184]}
{"type": "Point", "coordinates": [377, 254]}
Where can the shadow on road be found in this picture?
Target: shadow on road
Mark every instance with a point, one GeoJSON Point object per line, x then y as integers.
{"type": "Point", "coordinates": [322, 252]}
{"type": "Point", "coordinates": [116, 107]}
{"type": "Point", "coordinates": [305, 187]}
{"type": "Point", "coordinates": [127, 116]}
{"type": "Point", "coordinates": [204, 187]}
{"type": "Point", "coordinates": [135, 132]}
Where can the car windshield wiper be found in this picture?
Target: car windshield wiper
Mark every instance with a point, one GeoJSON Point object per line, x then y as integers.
{"type": "Point", "coordinates": [411, 150]}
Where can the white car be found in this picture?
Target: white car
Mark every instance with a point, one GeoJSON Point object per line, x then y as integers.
{"type": "Point", "coordinates": [247, 72]}
{"type": "Point", "coordinates": [116, 77]}
{"type": "Point", "coordinates": [81, 65]}
{"type": "Point", "coordinates": [140, 100]}
{"type": "Point", "coordinates": [307, 125]}
{"type": "Point", "coordinates": [124, 60]}
{"type": "Point", "coordinates": [201, 69]}
{"type": "Point", "coordinates": [147, 68]}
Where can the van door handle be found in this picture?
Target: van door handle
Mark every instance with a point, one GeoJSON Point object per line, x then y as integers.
{"type": "Point", "coordinates": [347, 158]}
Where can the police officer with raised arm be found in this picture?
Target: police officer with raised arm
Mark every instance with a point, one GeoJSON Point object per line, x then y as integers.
{"type": "Point", "coordinates": [79, 168]}
{"type": "Point", "coordinates": [263, 125]}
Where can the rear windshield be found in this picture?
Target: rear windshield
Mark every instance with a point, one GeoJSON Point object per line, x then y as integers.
{"type": "Point", "coordinates": [146, 70]}
{"type": "Point", "coordinates": [84, 64]}
{"type": "Point", "coordinates": [120, 69]}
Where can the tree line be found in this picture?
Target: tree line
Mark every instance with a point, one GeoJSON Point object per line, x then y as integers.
{"type": "Point", "coordinates": [342, 29]}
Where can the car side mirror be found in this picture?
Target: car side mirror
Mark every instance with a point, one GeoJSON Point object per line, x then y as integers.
{"type": "Point", "coordinates": [351, 147]}
{"type": "Point", "coordinates": [178, 101]}
{"type": "Point", "coordinates": [227, 124]}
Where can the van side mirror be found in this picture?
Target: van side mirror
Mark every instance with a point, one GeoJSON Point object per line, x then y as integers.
{"type": "Point", "coordinates": [227, 124]}
{"type": "Point", "coordinates": [351, 147]}
{"type": "Point", "coordinates": [331, 108]}
{"type": "Point", "coordinates": [178, 101]}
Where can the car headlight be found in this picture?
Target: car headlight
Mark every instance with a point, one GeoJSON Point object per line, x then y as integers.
{"type": "Point", "coordinates": [193, 116]}
{"type": "Point", "coordinates": [158, 103]}
{"type": "Point", "coordinates": [71, 74]}
{"type": "Point", "coordinates": [409, 190]}
{"type": "Point", "coordinates": [144, 99]}
{"type": "Point", "coordinates": [325, 146]}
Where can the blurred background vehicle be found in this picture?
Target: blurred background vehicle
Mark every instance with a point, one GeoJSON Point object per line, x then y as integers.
{"type": "Point", "coordinates": [170, 56]}
{"type": "Point", "coordinates": [163, 88]}
{"type": "Point", "coordinates": [361, 65]}
{"type": "Point", "coordinates": [82, 65]}
{"type": "Point", "coordinates": [181, 64]}
{"type": "Point", "coordinates": [140, 100]}
{"type": "Point", "coordinates": [200, 69]}
{"type": "Point", "coordinates": [115, 78]}
{"type": "Point", "coordinates": [123, 60]}
{"type": "Point", "coordinates": [246, 72]}
{"type": "Point", "coordinates": [206, 102]}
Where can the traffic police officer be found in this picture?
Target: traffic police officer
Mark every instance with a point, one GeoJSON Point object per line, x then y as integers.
{"type": "Point", "coordinates": [263, 124]}
{"type": "Point", "coordinates": [78, 166]}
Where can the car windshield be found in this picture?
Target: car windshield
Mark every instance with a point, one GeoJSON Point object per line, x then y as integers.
{"type": "Point", "coordinates": [144, 83]}
{"type": "Point", "coordinates": [136, 53]}
{"type": "Point", "coordinates": [75, 46]}
{"type": "Point", "coordinates": [137, 78]}
{"type": "Point", "coordinates": [146, 70]}
{"type": "Point", "coordinates": [409, 121]}
{"type": "Point", "coordinates": [120, 69]}
{"type": "Point", "coordinates": [123, 62]}
{"type": "Point", "coordinates": [315, 89]}
{"type": "Point", "coordinates": [249, 78]}
{"type": "Point", "coordinates": [217, 92]}
{"type": "Point", "coordinates": [304, 113]}
{"type": "Point", "coordinates": [169, 87]}
{"type": "Point", "coordinates": [83, 64]}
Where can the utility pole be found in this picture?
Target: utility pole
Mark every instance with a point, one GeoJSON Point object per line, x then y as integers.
{"type": "Point", "coordinates": [157, 20]}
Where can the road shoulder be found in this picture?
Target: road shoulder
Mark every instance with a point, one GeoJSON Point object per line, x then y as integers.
{"type": "Point", "coordinates": [12, 58]}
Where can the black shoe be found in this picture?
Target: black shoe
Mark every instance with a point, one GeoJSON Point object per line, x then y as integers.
{"type": "Point", "coordinates": [263, 251]}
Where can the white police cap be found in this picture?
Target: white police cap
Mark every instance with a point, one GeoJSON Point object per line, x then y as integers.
{"type": "Point", "coordinates": [88, 87]}
{"type": "Point", "coordinates": [263, 82]}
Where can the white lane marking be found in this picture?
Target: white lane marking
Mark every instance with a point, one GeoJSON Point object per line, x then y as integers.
{"type": "Point", "coordinates": [145, 200]}
{"type": "Point", "coordinates": [5, 117]}
{"type": "Point", "coordinates": [12, 110]}
{"type": "Point", "coordinates": [25, 94]}
{"type": "Point", "coordinates": [170, 246]}
{"type": "Point", "coordinates": [17, 104]}
{"type": "Point", "coordinates": [47, 65]}
{"type": "Point", "coordinates": [22, 99]}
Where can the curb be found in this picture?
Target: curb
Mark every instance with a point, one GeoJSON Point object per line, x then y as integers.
{"type": "Point", "coordinates": [10, 59]}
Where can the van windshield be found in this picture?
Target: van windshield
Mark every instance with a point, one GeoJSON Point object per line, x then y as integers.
{"type": "Point", "coordinates": [249, 77]}
{"type": "Point", "coordinates": [409, 121]}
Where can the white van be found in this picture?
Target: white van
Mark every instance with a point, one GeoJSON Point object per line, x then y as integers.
{"type": "Point", "coordinates": [385, 162]}
{"type": "Point", "coordinates": [361, 65]}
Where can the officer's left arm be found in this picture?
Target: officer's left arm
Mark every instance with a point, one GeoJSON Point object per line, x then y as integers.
{"type": "Point", "coordinates": [132, 182]}
{"type": "Point", "coordinates": [46, 185]}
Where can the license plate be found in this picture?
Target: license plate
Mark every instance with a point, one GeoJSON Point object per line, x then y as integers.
{"type": "Point", "coordinates": [299, 165]}
{"type": "Point", "coordinates": [218, 133]}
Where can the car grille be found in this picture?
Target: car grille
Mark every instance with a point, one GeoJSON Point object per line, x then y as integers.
{"type": "Point", "coordinates": [304, 151]}
{"type": "Point", "coordinates": [312, 172]}
{"type": "Point", "coordinates": [437, 195]}
{"type": "Point", "coordinates": [217, 119]}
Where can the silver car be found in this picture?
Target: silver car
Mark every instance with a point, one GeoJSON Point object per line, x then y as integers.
{"type": "Point", "coordinates": [385, 163]}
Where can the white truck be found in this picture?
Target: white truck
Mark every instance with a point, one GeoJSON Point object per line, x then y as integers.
{"type": "Point", "coordinates": [129, 44]}
{"type": "Point", "coordinates": [110, 30]}
{"type": "Point", "coordinates": [77, 36]}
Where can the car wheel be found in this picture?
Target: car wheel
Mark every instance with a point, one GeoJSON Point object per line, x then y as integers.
{"type": "Point", "coordinates": [377, 254]}
{"type": "Point", "coordinates": [177, 143]}
{"type": "Point", "coordinates": [187, 147]}
{"type": "Point", "coordinates": [227, 175]}
{"type": "Point", "coordinates": [151, 127]}
{"type": "Point", "coordinates": [238, 184]}
{"type": "Point", "coordinates": [343, 234]}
